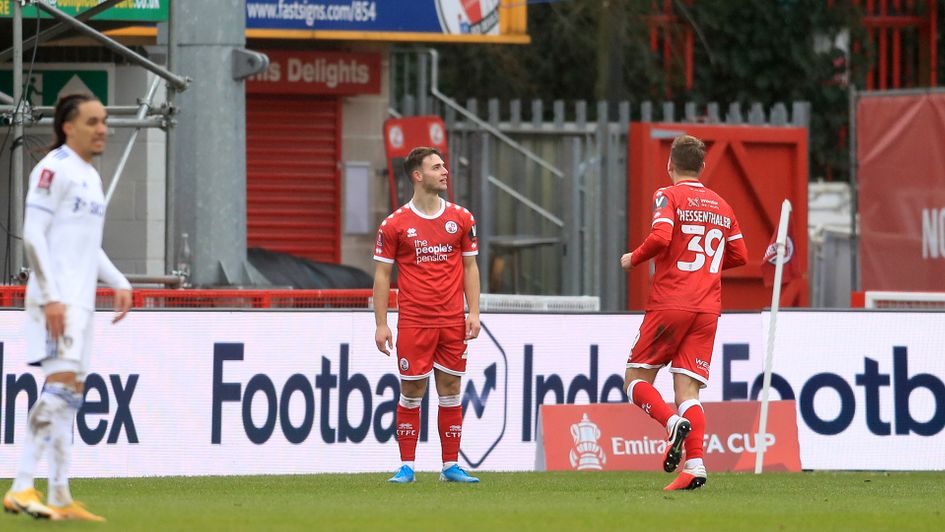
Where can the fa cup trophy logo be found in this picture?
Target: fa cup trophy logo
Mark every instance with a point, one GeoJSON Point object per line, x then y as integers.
{"type": "Point", "coordinates": [586, 453]}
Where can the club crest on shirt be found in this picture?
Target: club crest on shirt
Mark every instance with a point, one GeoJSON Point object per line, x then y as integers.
{"type": "Point", "coordinates": [45, 179]}
{"type": "Point", "coordinates": [411, 232]}
{"type": "Point", "coordinates": [451, 227]}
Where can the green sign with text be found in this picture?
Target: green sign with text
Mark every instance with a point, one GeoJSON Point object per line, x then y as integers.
{"type": "Point", "coordinates": [131, 10]}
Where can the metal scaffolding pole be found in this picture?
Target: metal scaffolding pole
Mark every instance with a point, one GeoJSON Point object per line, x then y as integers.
{"type": "Point", "coordinates": [16, 152]}
{"type": "Point", "coordinates": [142, 111]}
{"type": "Point", "coordinates": [170, 153]}
{"type": "Point", "coordinates": [179, 82]}
{"type": "Point", "coordinates": [112, 110]}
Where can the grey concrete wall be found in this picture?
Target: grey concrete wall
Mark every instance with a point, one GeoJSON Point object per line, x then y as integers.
{"type": "Point", "coordinates": [134, 227]}
{"type": "Point", "coordinates": [363, 140]}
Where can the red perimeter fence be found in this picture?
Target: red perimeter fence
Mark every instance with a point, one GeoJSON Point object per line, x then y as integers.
{"type": "Point", "coordinates": [13, 297]}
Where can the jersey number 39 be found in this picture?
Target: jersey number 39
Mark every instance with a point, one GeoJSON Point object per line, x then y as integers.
{"type": "Point", "coordinates": [713, 247]}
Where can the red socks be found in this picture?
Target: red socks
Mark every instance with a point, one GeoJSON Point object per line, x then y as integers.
{"type": "Point", "coordinates": [644, 395]}
{"type": "Point", "coordinates": [692, 410]}
{"type": "Point", "coordinates": [450, 421]}
{"type": "Point", "coordinates": [408, 432]}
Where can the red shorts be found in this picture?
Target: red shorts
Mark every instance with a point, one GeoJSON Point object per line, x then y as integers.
{"type": "Point", "coordinates": [677, 337]}
{"type": "Point", "coordinates": [420, 349]}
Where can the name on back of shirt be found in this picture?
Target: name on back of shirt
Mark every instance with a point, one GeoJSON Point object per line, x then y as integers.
{"type": "Point", "coordinates": [686, 215]}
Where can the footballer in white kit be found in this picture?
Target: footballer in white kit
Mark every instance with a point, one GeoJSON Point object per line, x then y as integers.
{"type": "Point", "coordinates": [65, 217]}
{"type": "Point", "coordinates": [62, 236]}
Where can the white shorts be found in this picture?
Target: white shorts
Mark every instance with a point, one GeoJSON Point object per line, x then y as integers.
{"type": "Point", "coordinates": [71, 353]}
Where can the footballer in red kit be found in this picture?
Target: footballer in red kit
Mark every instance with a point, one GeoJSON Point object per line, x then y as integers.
{"type": "Point", "coordinates": [433, 243]}
{"type": "Point", "coordinates": [694, 236]}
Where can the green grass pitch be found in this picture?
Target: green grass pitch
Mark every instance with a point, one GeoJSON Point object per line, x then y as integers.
{"type": "Point", "coordinates": [511, 501]}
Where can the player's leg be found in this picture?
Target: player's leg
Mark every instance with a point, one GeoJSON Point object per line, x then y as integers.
{"type": "Point", "coordinates": [449, 366]}
{"type": "Point", "coordinates": [22, 496]}
{"type": "Point", "coordinates": [653, 348]}
{"type": "Point", "coordinates": [60, 449]}
{"type": "Point", "coordinates": [415, 362]}
{"type": "Point", "coordinates": [690, 374]}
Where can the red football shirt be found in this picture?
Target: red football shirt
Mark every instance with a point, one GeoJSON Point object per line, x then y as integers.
{"type": "Point", "coordinates": [428, 252]}
{"type": "Point", "coordinates": [704, 238]}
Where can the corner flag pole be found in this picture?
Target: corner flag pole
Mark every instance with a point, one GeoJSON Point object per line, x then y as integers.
{"type": "Point", "coordinates": [780, 244]}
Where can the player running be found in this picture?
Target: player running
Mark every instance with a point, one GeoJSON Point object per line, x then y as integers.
{"type": "Point", "coordinates": [433, 243]}
{"type": "Point", "coordinates": [693, 237]}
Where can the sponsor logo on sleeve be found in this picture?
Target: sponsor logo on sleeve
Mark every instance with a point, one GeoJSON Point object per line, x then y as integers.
{"type": "Point", "coordinates": [660, 202]}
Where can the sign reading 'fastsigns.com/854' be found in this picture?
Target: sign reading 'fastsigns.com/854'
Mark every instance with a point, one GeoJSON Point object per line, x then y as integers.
{"type": "Point", "coordinates": [478, 17]}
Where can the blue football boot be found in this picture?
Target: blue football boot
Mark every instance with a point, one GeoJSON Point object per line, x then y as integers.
{"type": "Point", "coordinates": [404, 475]}
{"type": "Point", "coordinates": [456, 474]}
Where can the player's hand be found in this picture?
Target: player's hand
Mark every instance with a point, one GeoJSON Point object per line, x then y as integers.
{"type": "Point", "coordinates": [472, 326]}
{"type": "Point", "coordinates": [122, 304]}
{"type": "Point", "coordinates": [384, 339]}
{"type": "Point", "coordinates": [55, 318]}
{"type": "Point", "coordinates": [625, 261]}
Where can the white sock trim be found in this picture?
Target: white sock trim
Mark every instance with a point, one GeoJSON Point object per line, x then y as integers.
{"type": "Point", "coordinates": [447, 465]}
{"type": "Point", "coordinates": [670, 422]}
{"type": "Point", "coordinates": [410, 465]}
{"type": "Point", "coordinates": [448, 401]}
{"type": "Point", "coordinates": [693, 462]}
{"type": "Point", "coordinates": [686, 405]}
{"type": "Point", "coordinates": [630, 388]}
{"type": "Point", "coordinates": [410, 402]}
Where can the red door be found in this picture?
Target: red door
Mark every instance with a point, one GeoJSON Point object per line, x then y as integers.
{"type": "Point", "coordinates": [754, 168]}
{"type": "Point", "coordinates": [293, 188]}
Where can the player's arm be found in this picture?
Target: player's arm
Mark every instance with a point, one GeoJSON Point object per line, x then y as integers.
{"type": "Point", "coordinates": [661, 233]}
{"type": "Point", "coordinates": [736, 251]}
{"type": "Point", "coordinates": [42, 199]}
{"type": "Point", "coordinates": [109, 274]}
{"type": "Point", "coordinates": [382, 335]}
{"type": "Point", "coordinates": [471, 287]}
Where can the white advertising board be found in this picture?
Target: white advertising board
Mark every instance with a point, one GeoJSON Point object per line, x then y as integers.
{"type": "Point", "coordinates": [225, 393]}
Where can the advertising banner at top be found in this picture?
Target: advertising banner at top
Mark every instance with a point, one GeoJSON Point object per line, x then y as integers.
{"type": "Point", "coordinates": [900, 179]}
{"type": "Point", "coordinates": [130, 10]}
{"type": "Point", "coordinates": [477, 19]}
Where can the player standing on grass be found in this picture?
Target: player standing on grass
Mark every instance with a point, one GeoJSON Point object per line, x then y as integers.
{"type": "Point", "coordinates": [694, 236]}
{"type": "Point", "coordinates": [62, 235]}
{"type": "Point", "coordinates": [433, 243]}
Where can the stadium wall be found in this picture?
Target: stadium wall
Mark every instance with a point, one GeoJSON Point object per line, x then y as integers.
{"type": "Point", "coordinates": [266, 392]}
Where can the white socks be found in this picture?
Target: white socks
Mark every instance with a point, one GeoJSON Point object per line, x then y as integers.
{"type": "Point", "coordinates": [50, 425]}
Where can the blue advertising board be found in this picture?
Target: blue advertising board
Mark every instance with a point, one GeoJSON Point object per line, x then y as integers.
{"type": "Point", "coordinates": [469, 19]}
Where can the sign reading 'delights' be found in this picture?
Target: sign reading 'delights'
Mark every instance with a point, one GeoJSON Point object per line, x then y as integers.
{"type": "Point", "coordinates": [308, 72]}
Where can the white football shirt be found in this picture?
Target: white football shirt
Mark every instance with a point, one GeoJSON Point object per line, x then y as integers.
{"type": "Point", "coordinates": [62, 232]}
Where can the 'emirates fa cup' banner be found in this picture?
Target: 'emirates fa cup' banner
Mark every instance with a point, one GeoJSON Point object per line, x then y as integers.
{"type": "Point", "coordinates": [619, 436]}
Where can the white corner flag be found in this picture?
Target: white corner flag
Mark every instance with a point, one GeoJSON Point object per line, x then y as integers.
{"type": "Point", "coordinates": [780, 242]}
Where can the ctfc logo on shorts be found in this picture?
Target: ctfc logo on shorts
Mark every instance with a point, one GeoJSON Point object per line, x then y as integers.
{"type": "Point", "coordinates": [404, 365]}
